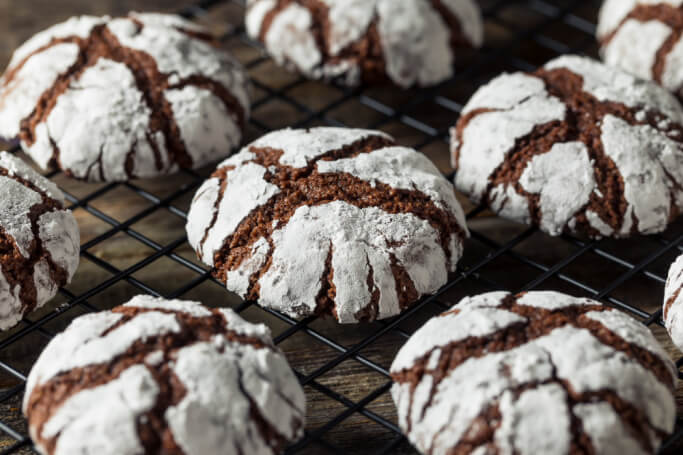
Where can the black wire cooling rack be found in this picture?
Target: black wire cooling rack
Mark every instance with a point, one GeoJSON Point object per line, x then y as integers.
{"type": "Point", "coordinates": [344, 369]}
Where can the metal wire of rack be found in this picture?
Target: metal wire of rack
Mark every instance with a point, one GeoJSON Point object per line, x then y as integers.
{"type": "Point", "coordinates": [500, 255]}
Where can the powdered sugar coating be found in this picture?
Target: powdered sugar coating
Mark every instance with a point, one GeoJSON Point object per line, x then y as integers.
{"type": "Point", "coordinates": [559, 188]}
{"type": "Point", "coordinates": [79, 426]}
{"type": "Point", "coordinates": [106, 124]}
{"type": "Point", "coordinates": [526, 384]}
{"type": "Point", "coordinates": [418, 44]}
{"type": "Point", "coordinates": [612, 84]}
{"type": "Point", "coordinates": [673, 302]}
{"type": "Point", "coordinates": [365, 239]}
{"type": "Point", "coordinates": [490, 135]}
{"type": "Point", "coordinates": [363, 245]}
{"type": "Point", "coordinates": [565, 166]}
{"type": "Point", "coordinates": [622, 24]}
{"type": "Point", "coordinates": [34, 268]}
{"type": "Point", "coordinates": [225, 381]}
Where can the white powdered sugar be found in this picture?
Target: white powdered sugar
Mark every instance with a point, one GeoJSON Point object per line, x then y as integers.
{"type": "Point", "coordinates": [388, 166]}
{"type": "Point", "coordinates": [563, 179]}
{"type": "Point", "coordinates": [673, 303]}
{"type": "Point", "coordinates": [636, 150]}
{"type": "Point", "coordinates": [612, 84]}
{"type": "Point", "coordinates": [233, 208]}
{"type": "Point", "coordinates": [637, 56]}
{"type": "Point", "coordinates": [12, 308]}
{"type": "Point", "coordinates": [415, 38]}
{"type": "Point", "coordinates": [620, 32]}
{"type": "Point", "coordinates": [528, 384]}
{"type": "Point", "coordinates": [230, 387]}
{"type": "Point", "coordinates": [19, 96]}
{"type": "Point", "coordinates": [172, 306]}
{"type": "Point", "coordinates": [608, 433]}
{"type": "Point", "coordinates": [78, 26]}
{"type": "Point", "coordinates": [21, 214]}
{"type": "Point", "coordinates": [81, 349]}
{"type": "Point", "coordinates": [525, 430]}
{"type": "Point", "coordinates": [102, 126]}
{"type": "Point", "coordinates": [205, 119]}
{"type": "Point", "coordinates": [489, 136]}
{"type": "Point", "coordinates": [60, 236]}
{"type": "Point", "coordinates": [471, 320]}
{"type": "Point", "coordinates": [560, 185]}
{"type": "Point", "coordinates": [79, 427]}
{"type": "Point", "coordinates": [363, 245]}
{"type": "Point", "coordinates": [364, 239]}
{"type": "Point", "coordinates": [299, 147]}
{"type": "Point", "coordinates": [216, 408]}
{"type": "Point", "coordinates": [18, 200]}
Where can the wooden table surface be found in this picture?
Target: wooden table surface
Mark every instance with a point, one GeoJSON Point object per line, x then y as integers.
{"type": "Point", "coordinates": [356, 434]}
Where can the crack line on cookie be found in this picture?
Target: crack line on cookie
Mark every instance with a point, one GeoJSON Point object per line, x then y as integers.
{"type": "Point", "coordinates": [307, 187]}
{"type": "Point", "coordinates": [538, 323]}
{"type": "Point", "coordinates": [152, 84]}
{"type": "Point", "coordinates": [583, 115]}
{"type": "Point", "coordinates": [193, 329]}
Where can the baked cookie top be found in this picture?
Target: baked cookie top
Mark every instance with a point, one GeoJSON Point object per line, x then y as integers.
{"type": "Point", "coordinates": [672, 310]}
{"type": "Point", "coordinates": [644, 38]}
{"type": "Point", "coordinates": [575, 146]}
{"type": "Point", "coordinates": [328, 221]}
{"type": "Point", "coordinates": [39, 240]}
{"type": "Point", "coordinates": [155, 374]}
{"type": "Point", "coordinates": [113, 99]}
{"type": "Point", "coordinates": [408, 42]}
{"type": "Point", "coordinates": [539, 372]}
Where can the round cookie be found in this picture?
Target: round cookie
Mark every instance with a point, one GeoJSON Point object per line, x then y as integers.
{"type": "Point", "coordinates": [643, 37]}
{"type": "Point", "coordinates": [158, 376]}
{"type": "Point", "coordinates": [533, 373]}
{"type": "Point", "coordinates": [328, 221]}
{"type": "Point", "coordinates": [576, 147]}
{"type": "Point", "coordinates": [39, 240]}
{"type": "Point", "coordinates": [410, 42]}
{"type": "Point", "coordinates": [672, 311]}
{"type": "Point", "coordinates": [114, 99]}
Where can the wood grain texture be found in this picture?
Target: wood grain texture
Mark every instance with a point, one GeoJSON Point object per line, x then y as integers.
{"type": "Point", "coordinates": [351, 379]}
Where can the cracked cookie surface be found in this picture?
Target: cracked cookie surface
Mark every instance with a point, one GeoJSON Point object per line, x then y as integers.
{"type": "Point", "coordinates": [39, 240]}
{"type": "Point", "coordinates": [112, 99]}
{"type": "Point", "coordinates": [409, 42]}
{"type": "Point", "coordinates": [538, 372]}
{"type": "Point", "coordinates": [156, 376]}
{"type": "Point", "coordinates": [672, 309]}
{"type": "Point", "coordinates": [621, 28]}
{"type": "Point", "coordinates": [328, 221]}
{"type": "Point", "coordinates": [575, 147]}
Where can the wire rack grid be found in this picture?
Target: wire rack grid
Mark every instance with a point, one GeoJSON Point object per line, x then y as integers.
{"type": "Point", "coordinates": [344, 369]}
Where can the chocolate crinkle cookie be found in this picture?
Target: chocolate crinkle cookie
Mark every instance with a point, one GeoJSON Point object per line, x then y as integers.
{"type": "Point", "coordinates": [328, 221]}
{"type": "Point", "coordinates": [407, 42]}
{"type": "Point", "coordinates": [644, 38]}
{"type": "Point", "coordinates": [534, 373]}
{"type": "Point", "coordinates": [114, 99]}
{"type": "Point", "coordinates": [672, 311]}
{"type": "Point", "coordinates": [39, 240]}
{"type": "Point", "coordinates": [574, 147]}
{"type": "Point", "coordinates": [163, 377]}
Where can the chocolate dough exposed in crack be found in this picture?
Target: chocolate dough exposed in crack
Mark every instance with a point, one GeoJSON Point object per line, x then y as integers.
{"type": "Point", "coordinates": [413, 42]}
{"type": "Point", "coordinates": [304, 213]}
{"type": "Point", "coordinates": [479, 377]}
{"type": "Point", "coordinates": [39, 240]}
{"type": "Point", "coordinates": [156, 349]}
{"type": "Point", "coordinates": [573, 149]}
{"type": "Point", "coordinates": [620, 33]}
{"type": "Point", "coordinates": [144, 96]}
{"type": "Point", "coordinates": [672, 306]}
